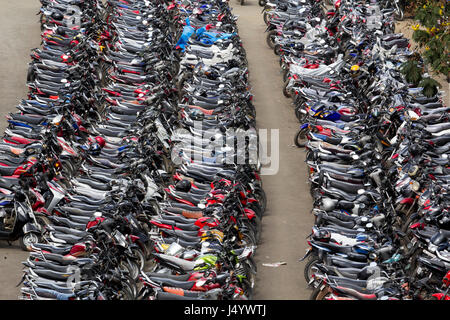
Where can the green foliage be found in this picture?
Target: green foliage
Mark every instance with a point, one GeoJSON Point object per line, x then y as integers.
{"type": "Point", "coordinates": [433, 34]}
{"type": "Point", "coordinates": [413, 74]}
{"type": "Point", "coordinates": [430, 87]}
{"type": "Point", "coordinates": [420, 36]}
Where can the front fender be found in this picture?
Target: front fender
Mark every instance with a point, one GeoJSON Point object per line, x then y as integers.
{"type": "Point", "coordinates": [31, 228]}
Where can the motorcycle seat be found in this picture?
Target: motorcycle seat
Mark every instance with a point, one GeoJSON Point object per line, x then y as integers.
{"type": "Point", "coordinates": [182, 263]}
{"type": "Point", "coordinates": [347, 187]}
{"type": "Point", "coordinates": [187, 285]}
{"type": "Point", "coordinates": [345, 263]}
{"type": "Point", "coordinates": [190, 236]}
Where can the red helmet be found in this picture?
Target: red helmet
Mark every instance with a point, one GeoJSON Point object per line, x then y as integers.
{"type": "Point", "coordinates": [446, 279]}
{"type": "Point", "coordinates": [101, 141]}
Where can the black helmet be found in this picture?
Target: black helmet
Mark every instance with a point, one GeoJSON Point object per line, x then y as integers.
{"type": "Point", "coordinates": [60, 31]}
{"type": "Point", "coordinates": [282, 6]}
{"type": "Point", "coordinates": [57, 15]}
{"type": "Point", "coordinates": [183, 185]}
{"type": "Point", "coordinates": [321, 235]}
{"type": "Point", "coordinates": [299, 46]}
{"type": "Point", "coordinates": [125, 206]}
{"type": "Point", "coordinates": [415, 149]}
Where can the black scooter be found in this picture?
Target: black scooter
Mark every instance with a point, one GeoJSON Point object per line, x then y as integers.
{"type": "Point", "coordinates": [19, 222]}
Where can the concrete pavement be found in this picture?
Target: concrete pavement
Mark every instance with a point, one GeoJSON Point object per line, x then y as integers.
{"type": "Point", "coordinates": [19, 32]}
{"type": "Point", "coordinates": [288, 220]}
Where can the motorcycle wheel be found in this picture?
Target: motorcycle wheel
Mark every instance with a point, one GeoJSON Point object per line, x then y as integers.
{"type": "Point", "coordinates": [248, 239]}
{"type": "Point", "coordinates": [285, 75]}
{"type": "Point", "coordinates": [399, 14]}
{"type": "Point", "coordinates": [131, 267]}
{"type": "Point", "coordinates": [300, 138]}
{"type": "Point", "coordinates": [151, 264]}
{"type": "Point", "coordinates": [30, 74]}
{"type": "Point", "coordinates": [300, 115]}
{"type": "Point", "coordinates": [307, 272]}
{"type": "Point", "coordinates": [256, 222]}
{"type": "Point", "coordinates": [266, 18]}
{"type": "Point", "coordinates": [270, 39]}
{"type": "Point", "coordinates": [285, 90]}
{"type": "Point", "coordinates": [260, 195]}
{"type": "Point", "coordinates": [27, 240]}
{"type": "Point", "coordinates": [319, 294]}
{"type": "Point", "coordinates": [125, 294]}
{"type": "Point", "coordinates": [140, 258]}
{"type": "Point", "coordinates": [276, 49]}
{"type": "Point", "coordinates": [248, 289]}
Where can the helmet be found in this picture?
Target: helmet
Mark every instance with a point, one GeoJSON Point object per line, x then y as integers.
{"type": "Point", "coordinates": [354, 70]}
{"type": "Point", "coordinates": [446, 279]}
{"type": "Point", "coordinates": [299, 46]}
{"type": "Point", "coordinates": [57, 16]}
{"type": "Point", "coordinates": [183, 185]}
{"type": "Point", "coordinates": [321, 235]}
{"type": "Point", "coordinates": [95, 149]}
{"type": "Point", "coordinates": [60, 31]}
{"type": "Point", "coordinates": [101, 141]}
{"type": "Point", "coordinates": [282, 6]}
{"type": "Point", "coordinates": [328, 55]}
{"type": "Point", "coordinates": [415, 150]}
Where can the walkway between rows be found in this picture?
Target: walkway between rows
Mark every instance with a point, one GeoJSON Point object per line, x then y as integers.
{"type": "Point", "coordinates": [288, 220]}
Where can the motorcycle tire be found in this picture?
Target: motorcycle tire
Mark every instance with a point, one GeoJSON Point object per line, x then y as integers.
{"type": "Point", "coordinates": [319, 294]}
{"type": "Point", "coordinates": [140, 258]}
{"type": "Point", "coordinates": [260, 195]}
{"type": "Point", "coordinates": [300, 139]}
{"type": "Point", "coordinates": [26, 240]}
{"type": "Point", "coordinates": [300, 115]}
{"type": "Point", "coordinates": [277, 49]}
{"type": "Point", "coordinates": [270, 39]}
{"type": "Point", "coordinates": [312, 261]}
{"type": "Point", "coordinates": [256, 222]}
{"type": "Point", "coordinates": [399, 14]}
{"type": "Point", "coordinates": [130, 267]}
{"type": "Point", "coordinates": [266, 18]}
{"type": "Point", "coordinates": [285, 75]}
{"type": "Point", "coordinates": [30, 75]}
{"type": "Point", "coordinates": [126, 294]}
{"type": "Point", "coordinates": [286, 92]}
{"type": "Point", "coordinates": [248, 239]}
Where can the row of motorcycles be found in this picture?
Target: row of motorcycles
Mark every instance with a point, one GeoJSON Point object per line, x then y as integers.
{"type": "Point", "coordinates": [377, 150]}
{"type": "Point", "coordinates": [397, 5]}
{"type": "Point", "coordinates": [129, 170]}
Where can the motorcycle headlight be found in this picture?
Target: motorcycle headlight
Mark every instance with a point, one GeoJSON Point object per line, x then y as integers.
{"type": "Point", "coordinates": [415, 186]}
